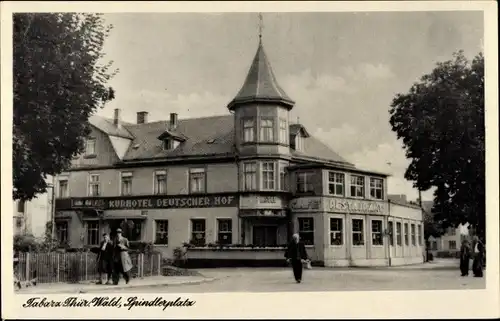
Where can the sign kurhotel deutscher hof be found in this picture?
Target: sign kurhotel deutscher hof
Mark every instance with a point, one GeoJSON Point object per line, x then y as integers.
{"type": "Point", "coordinates": [338, 205]}
{"type": "Point", "coordinates": [150, 202]}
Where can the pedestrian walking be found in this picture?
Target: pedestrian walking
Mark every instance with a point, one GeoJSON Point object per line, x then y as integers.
{"type": "Point", "coordinates": [122, 261]}
{"type": "Point", "coordinates": [105, 259]}
{"type": "Point", "coordinates": [465, 256]}
{"type": "Point", "coordinates": [478, 255]}
{"type": "Point", "coordinates": [296, 254]}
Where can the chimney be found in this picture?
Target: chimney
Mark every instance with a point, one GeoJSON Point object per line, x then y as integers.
{"type": "Point", "coordinates": [142, 117]}
{"type": "Point", "coordinates": [116, 118]}
{"type": "Point", "coordinates": [173, 121]}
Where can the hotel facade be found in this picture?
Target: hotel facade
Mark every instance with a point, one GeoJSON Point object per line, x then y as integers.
{"type": "Point", "coordinates": [235, 187]}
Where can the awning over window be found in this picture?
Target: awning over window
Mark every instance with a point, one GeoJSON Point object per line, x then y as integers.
{"type": "Point", "coordinates": [125, 214]}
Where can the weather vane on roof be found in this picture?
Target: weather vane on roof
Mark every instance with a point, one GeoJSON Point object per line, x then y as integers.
{"type": "Point", "coordinates": [261, 25]}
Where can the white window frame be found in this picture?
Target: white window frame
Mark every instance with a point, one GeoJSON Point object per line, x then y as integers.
{"type": "Point", "coordinates": [392, 233]}
{"type": "Point", "coordinates": [399, 234]}
{"type": "Point", "coordinates": [413, 234]}
{"type": "Point", "coordinates": [311, 229]}
{"type": "Point", "coordinates": [192, 232]}
{"type": "Point", "coordinates": [283, 130]}
{"type": "Point", "coordinates": [266, 131]}
{"type": "Point", "coordinates": [299, 142]}
{"type": "Point", "coordinates": [156, 228]}
{"type": "Point", "coordinates": [337, 231]}
{"type": "Point", "coordinates": [59, 190]}
{"type": "Point", "coordinates": [374, 188]}
{"type": "Point", "coordinates": [406, 233]}
{"type": "Point", "coordinates": [198, 172]}
{"type": "Point", "coordinates": [380, 233]}
{"type": "Point", "coordinates": [283, 177]}
{"type": "Point", "coordinates": [335, 183]}
{"type": "Point", "coordinates": [58, 230]}
{"type": "Point", "coordinates": [450, 247]}
{"type": "Point", "coordinates": [358, 232]}
{"type": "Point", "coordinates": [129, 177]}
{"type": "Point", "coordinates": [92, 183]}
{"type": "Point", "coordinates": [96, 229]}
{"type": "Point", "coordinates": [419, 234]}
{"type": "Point", "coordinates": [250, 170]}
{"type": "Point", "coordinates": [356, 186]}
{"type": "Point", "coordinates": [156, 186]}
{"type": "Point", "coordinates": [248, 125]}
{"type": "Point", "coordinates": [264, 179]}
{"type": "Point", "coordinates": [229, 232]}
{"type": "Point", "coordinates": [90, 143]}
{"type": "Point", "coordinates": [305, 175]}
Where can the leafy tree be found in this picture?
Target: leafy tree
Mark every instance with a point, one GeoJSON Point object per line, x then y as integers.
{"type": "Point", "coordinates": [60, 79]}
{"type": "Point", "coordinates": [441, 123]}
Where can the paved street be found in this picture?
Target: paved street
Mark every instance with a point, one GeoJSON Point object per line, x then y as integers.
{"type": "Point", "coordinates": [322, 279]}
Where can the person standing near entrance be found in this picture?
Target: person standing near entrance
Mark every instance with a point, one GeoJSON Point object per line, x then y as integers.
{"type": "Point", "coordinates": [105, 259]}
{"type": "Point", "coordinates": [478, 255]}
{"type": "Point", "coordinates": [122, 261]}
{"type": "Point", "coordinates": [296, 254]}
{"type": "Point", "coordinates": [465, 258]}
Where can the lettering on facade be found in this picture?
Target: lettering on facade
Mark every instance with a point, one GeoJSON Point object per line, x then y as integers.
{"type": "Point", "coordinates": [305, 204]}
{"type": "Point", "coordinates": [355, 206]}
{"type": "Point", "coordinates": [267, 200]}
{"type": "Point", "coordinates": [112, 203]}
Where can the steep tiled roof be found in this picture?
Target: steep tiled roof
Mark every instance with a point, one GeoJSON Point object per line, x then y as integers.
{"type": "Point", "coordinates": [315, 148]}
{"type": "Point", "coordinates": [260, 84]}
{"type": "Point", "coordinates": [107, 126]}
{"type": "Point", "coordinates": [204, 136]}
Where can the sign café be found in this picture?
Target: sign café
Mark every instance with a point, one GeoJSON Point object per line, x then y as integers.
{"type": "Point", "coordinates": [157, 202]}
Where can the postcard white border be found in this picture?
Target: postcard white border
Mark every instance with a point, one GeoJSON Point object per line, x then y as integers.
{"type": "Point", "coordinates": [344, 304]}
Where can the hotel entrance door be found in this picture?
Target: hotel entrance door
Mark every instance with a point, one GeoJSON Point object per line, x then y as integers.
{"type": "Point", "coordinates": [265, 235]}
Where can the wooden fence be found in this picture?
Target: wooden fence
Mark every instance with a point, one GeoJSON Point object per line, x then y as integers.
{"type": "Point", "coordinates": [72, 267]}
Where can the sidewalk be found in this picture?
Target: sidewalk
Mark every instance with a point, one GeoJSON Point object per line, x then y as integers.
{"type": "Point", "coordinates": [153, 281]}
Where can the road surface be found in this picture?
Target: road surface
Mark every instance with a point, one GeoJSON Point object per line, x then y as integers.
{"type": "Point", "coordinates": [320, 279]}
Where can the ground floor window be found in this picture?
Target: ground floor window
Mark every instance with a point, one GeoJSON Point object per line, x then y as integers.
{"type": "Point", "coordinates": [391, 233]}
{"type": "Point", "coordinates": [452, 245]}
{"type": "Point", "coordinates": [198, 232]}
{"type": "Point", "coordinates": [93, 233]}
{"type": "Point", "coordinates": [161, 232]}
{"type": "Point", "coordinates": [398, 234]}
{"type": "Point", "coordinates": [266, 235]}
{"type": "Point", "coordinates": [131, 229]}
{"type": "Point", "coordinates": [224, 231]}
{"type": "Point", "coordinates": [434, 246]}
{"type": "Point", "coordinates": [377, 232]}
{"type": "Point", "coordinates": [413, 236]}
{"type": "Point", "coordinates": [336, 229]}
{"type": "Point", "coordinates": [62, 232]}
{"type": "Point", "coordinates": [357, 232]}
{"type": "Point", "coordinates": [407, 238]}
{"type": "Point", "coordinates": [306, 230]}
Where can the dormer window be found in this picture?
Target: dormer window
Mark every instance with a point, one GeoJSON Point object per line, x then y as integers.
{"type": "Point", "coordinates": [299, 142]}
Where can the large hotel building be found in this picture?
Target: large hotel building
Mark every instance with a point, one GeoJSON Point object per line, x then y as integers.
{"type": "Point", "coordinates": [247, 180]}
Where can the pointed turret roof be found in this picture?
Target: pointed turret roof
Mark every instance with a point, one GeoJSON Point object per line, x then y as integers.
{"type": "Point", "coordinates": [260, 84]}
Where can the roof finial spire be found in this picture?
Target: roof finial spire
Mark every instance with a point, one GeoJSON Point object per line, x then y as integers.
{"type": "Point", "coordinates": [261, 26]}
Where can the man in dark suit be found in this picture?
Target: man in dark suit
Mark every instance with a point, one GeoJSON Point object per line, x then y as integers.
{"type": "Point", "coordinates": [478, 257]}
{"type": "Point", "coordinates": [105, 259]}
{"type": "Point", "coordinates": [296, 255]}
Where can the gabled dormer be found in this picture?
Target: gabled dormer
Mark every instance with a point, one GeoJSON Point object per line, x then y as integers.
{"type": "Point", "coordinates": [171, 138]}
{"type": "Point", "coordinates": [298, 133]}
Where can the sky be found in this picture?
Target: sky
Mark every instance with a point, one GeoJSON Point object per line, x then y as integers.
{"type": "Point", "coordinates": [342, 69]}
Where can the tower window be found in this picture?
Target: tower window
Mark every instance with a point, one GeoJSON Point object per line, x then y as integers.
{"type": "Point", "coordinates": [267, 130]}
{"type": "Point", "coordinates": [248, 130]}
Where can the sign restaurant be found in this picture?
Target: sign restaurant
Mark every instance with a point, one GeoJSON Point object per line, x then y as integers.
{"type": "Point", "coordinates": [159, 202]}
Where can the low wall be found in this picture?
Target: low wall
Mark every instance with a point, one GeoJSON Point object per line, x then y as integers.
{"type": "Point", "coordinates": [213, 257]}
